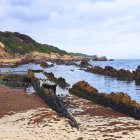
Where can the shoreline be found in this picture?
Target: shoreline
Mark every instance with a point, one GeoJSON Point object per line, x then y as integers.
{"type": "Point", "coordinates": [37, 57]}
{"type": "Point", "coordinates": [15, 100]}
{"type": "Point", "coordinates": [31, 116]}
{"type": "Point", "coordinates": [24, 116]}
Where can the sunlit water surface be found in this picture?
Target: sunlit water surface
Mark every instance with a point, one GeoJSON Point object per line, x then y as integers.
{"type": "Point", "coordinates": [72, 75]}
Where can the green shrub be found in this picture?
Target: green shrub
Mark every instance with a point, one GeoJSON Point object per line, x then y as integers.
{"type": "Point", "coordinates": [19, 43]}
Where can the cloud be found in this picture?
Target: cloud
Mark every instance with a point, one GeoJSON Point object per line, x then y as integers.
{"type": "Point", "coordinates": [103, 27]}
{"type": "Point", "coordinates": [21, 2]}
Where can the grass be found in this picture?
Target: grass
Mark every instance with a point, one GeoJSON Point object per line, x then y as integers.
{"type": "Point", "coordinates": [22, 44]}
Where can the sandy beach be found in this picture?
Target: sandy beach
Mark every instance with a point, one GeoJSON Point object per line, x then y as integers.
{"type": "Point", "coordinates": [28, 117]}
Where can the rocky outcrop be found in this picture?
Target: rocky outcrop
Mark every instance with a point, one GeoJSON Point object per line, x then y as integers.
{"type": "Point", "coordinates": [119, 74]}
{"type": "Point", "coordinates": [37, 71]}
{"type": "Point", "coordinates": [48, 93]}
{"type": "Point", "coordinates": [27, 81]}
{"type": "Point", "coordinates": [118, 101]}
{"type": "Point", "coordinates": [102, 58]}
{"type": "Point", "coordinates": [85, 63]}
{"type": "Point", "coordinates": [53, 57]}
{"type": "Point", "coordinates": [137, 75]}
{"type": "Point", "coordinates": [46, 65]}
{"type": "Point", "coordinates": [15, 45]}
{"type": "Point", "coordinates": [59, 81]}
{"type": "Point", "coordinates": [67, 62]}
{"type": "Point", "coordinates": [35, 57]}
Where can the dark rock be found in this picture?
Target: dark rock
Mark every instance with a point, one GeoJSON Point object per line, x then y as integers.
{"type": "Point", "coordinates": [37, 71]}
{"type": "Point", "coordinates": [62, 79]}
{"type": "Point", "coordinates": [117, 101]}
{"type": "Point", "coordinates": [109, 68]}
{"type": "Point", "coordinates": [46, 65]}
{"type": "Point", "coordinates": [48, 94]}
{"type": "Point", "coordinates": [70, 63]}
{"type": "Point", "coordinates": [111, 59]}
{"type": "Point", "coordinates": [110, 71]}
{"type": "Point", "coordinates": [27, 81]}
{"type": "Point", "coordinates": [137, 75]}
{"type": "Point", "coordinates": [138, 68]}
{"type": "Point", "coordinates": [59, 81]}
{"type": "Point", "coordinates": [5, 79]}
{"type": "Point", "coordinates": [102, 58]}
{"type": "Point", "coordinates": [85, 63]}
{"type": "Point", "coordinates": [53, 87]}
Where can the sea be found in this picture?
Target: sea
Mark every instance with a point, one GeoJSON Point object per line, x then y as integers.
{"type": "Point", "coordinates": [73, 74]}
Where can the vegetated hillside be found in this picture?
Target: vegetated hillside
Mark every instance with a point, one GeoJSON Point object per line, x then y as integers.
{"type": "Point", "coordinates": [84, 55]}
{"type": "Point", "coordinates": [15, 42]}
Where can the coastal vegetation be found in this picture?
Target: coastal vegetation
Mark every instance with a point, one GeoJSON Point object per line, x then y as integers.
{"type": "Point", "coordinates": [16, 43]}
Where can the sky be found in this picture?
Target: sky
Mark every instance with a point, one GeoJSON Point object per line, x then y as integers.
{"type": "Point", "coordinates": [103, 27]}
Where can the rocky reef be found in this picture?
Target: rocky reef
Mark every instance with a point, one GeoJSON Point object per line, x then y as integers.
{"type": "Point", "coordinates": [59, 81]}
{"type": "Point", "coordinates": [48, 93]}
{"type": "Point", "coordinates": [85, 63]}
{"type": "Point", "coordinates": [121, 102]}
{"type": "Point", "coordinates": [119, 74]}
{"type": "Point", "coordinates": [46, 65]}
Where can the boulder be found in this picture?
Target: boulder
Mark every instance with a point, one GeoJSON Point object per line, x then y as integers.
{"type": "Point", "coordinates": [61, 79]}
{"type": "Point", "coordinates": [109, 68]}
{"type": "Point", "coordinates": [27, 81]}
{"type": "Point", "coordinates": [85, 63]}
{"type": "Point", "coordinates": [137, 75]}
{"type": "Point", "coordinates": [45, 65]}
{"type": "Point", "coordinates": [85, 86]}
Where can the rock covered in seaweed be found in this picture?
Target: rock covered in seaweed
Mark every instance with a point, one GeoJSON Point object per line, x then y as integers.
{"type": "Point", "coordinates": [59, 81]}
{"type": "Point", "coordinates": [112, 72]}
{"type": "Point", "coordinates": [121, 102]}
{"type": "Point", "coordinates": [85, 86]}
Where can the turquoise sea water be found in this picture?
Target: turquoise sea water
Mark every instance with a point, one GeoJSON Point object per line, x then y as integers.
{"type": "Point", "coordinates": [105, 84]}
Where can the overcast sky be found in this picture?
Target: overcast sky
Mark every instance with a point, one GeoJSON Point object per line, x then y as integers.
{"type": "Point", "coordinates": [102, 27]}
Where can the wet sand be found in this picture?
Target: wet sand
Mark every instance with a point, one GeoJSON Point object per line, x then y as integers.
{"type": "Point", "coordinates": [16, 100]}
{"type": "Point", "coordinates": [24, 116]}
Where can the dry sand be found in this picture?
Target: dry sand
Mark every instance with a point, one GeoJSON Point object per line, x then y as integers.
{"type": "Point", "coordinates": [36, 121]}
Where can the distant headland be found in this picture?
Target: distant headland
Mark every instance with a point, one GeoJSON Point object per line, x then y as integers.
{"type": "Point", "coordinates": [16, 47]}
